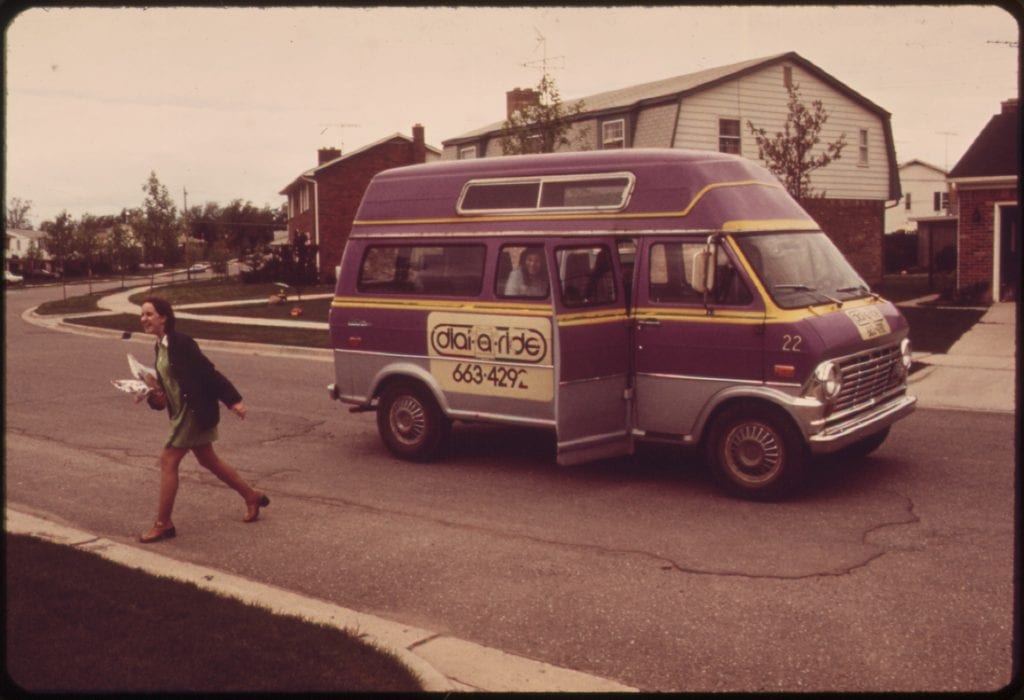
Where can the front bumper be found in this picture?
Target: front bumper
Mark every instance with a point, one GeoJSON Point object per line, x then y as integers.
{"type": "Point", "coordinates": [857, 427]}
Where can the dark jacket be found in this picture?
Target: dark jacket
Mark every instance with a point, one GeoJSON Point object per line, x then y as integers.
{"type": "Point", "coordinates": [201, 384]}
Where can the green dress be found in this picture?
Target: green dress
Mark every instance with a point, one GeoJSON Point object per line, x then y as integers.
{"type": "Point", "coordinates": [186, 432]}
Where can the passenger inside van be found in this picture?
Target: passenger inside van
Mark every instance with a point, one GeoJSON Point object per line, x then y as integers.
{"type": "Point", "coordinates": [530, 279]}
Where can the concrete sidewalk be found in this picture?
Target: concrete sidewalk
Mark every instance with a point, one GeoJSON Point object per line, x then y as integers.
{"type": "Point", "coordinates": [979, 373]}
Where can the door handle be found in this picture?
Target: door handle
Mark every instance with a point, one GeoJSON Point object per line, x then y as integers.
{"type": "Point", "coordinates": [358, 323]}
{"type": "Point", "coordinates": [648, 322]}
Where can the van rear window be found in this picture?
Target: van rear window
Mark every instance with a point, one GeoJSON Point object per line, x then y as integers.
{"type": "Point", "coordinates": [445, 270]}
{"type": "Point", "coordinates": [546, 194]}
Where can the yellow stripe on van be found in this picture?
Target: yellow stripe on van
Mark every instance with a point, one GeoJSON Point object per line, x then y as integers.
{"type": "Point", "coordinates": [590, 318]}
{"type": "Point", "coordinates": [491, 307]}
{"type": "Point", "coordinates": [769, 225]}
{"type": "Point", "coordinates": [584, 217]}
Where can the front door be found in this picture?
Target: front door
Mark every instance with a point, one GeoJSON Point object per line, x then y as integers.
{"type": "Point", "coordinates": [1009, 252]}
{"type": "Point", "coordinates": [593, 347]}
{"type": "Point", "coordinates": [690, 346]}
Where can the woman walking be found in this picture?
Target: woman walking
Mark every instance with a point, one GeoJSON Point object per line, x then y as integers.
{"type": "Point", "coordinates": [189, 387]}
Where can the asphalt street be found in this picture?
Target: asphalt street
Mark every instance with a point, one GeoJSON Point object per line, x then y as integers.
{"type": "Point", "coordinates": [891, 574]}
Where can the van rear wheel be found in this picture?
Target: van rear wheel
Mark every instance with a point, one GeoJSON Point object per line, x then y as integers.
{"type": "Point", "coordinates": [756, 453]}
{"type": "Point", "coordinates": [410, 422]}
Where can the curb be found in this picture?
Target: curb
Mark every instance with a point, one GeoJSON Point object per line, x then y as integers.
{"type": "Point", "coordinates": [389, 636]}
{"type": "Point", "coordinates": [60, 323]}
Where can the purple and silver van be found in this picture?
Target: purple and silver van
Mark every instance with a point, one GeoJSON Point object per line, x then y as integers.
{"type": "Point", "coordinates": [665, 295]}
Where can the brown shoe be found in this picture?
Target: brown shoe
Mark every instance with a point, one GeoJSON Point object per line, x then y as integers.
{"type": "Point", "coordinates": [159, 531]}
{"type": "Point", "coordinates": [253, 507]}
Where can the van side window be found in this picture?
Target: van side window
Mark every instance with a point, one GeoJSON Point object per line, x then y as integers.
{"type": "Point", "coordinates": [522, 272]}
{"type": "Point", "coordinates": [446, 270]}
{"type": "Point", "coordinates": [671, 265]}
{"type": "Point", "coordinates": [586, 276]}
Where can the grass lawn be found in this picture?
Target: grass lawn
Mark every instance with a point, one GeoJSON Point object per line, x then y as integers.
{"type": "Point", "coordinates": [935, 330]}
{"type": "Point", "coordinates": [220, 289]}
{"type": "Point", "coordinates": [312, 310]}
{"type": "Point", "coordinates": [77, 622]}
{"type": "Point", "coordinates": [74, 305]}
{"type": "Point", "coordinates": [210, 330]}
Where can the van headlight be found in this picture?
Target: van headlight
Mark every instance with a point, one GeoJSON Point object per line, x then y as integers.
{"type": "Point", "coordinates": [901, 369]}
{"type": "Point", "coordinates": [826, 382]}
{"type": "Point", "coordinates": [906, 354]}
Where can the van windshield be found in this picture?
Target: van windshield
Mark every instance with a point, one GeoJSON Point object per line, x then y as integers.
{"type": "Point", "coordinates": [802, 269]}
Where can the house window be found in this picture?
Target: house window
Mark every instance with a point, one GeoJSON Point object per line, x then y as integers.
{"type": "Point", "coordinates": [729, 135]}
{"type": "Point", "coordinates": [862, 156]}
{"type": "Point", "coordinates": [940, 201]}
{"type": "Point", "coordinates": [467, 152]}
{"type": "Point", "coordinates": [787, 76]}
{"type": "Point", "coordinates": [304, 199]}
{"type": "Point", "coordinates": [613, 134]}
{"type": "Point", "coordinates": [908, 201]}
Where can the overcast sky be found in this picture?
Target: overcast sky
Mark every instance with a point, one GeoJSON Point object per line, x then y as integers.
{"type": "Point", "coordinates": [233, 103]}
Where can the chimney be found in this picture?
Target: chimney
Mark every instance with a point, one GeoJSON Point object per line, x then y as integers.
{"type": "Point", "coordinates": [520, 98]}
{"type": "Point", "coordinates": [419, 144]}
{"type": "Point", "coordinates": [327, 154]}
{"type": "Point", "coordinates": [1011, 106]}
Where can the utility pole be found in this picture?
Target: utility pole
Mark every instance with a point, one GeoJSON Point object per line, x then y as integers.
{"type": "Point", "coordinates": [188, 234]}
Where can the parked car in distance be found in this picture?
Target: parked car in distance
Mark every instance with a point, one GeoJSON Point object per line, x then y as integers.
{"type": "Point", "coordinates": [151, 266]}
{"type": "Point", "coordinates": [11, 278]}
{"type": "Point", "coordinates": [42, 274]}
{"type": "Point", "coordinates": [199, 267]}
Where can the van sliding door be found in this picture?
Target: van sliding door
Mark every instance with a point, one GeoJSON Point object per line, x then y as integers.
{"type": "Point", "coordinates": [591, 408]}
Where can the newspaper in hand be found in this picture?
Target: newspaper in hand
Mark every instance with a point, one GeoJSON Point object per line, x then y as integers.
{"type": "Point", "coordinates": [143, 380]}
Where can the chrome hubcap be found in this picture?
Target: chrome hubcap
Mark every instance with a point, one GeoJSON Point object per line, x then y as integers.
{"type": "Point", "coordinates": [753, 452]}
{"type": "Point", "coordinates": [408, 420]}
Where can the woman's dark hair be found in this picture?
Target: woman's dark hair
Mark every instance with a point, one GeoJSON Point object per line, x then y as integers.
{"type": "Point", "coordinates": [162, 307]}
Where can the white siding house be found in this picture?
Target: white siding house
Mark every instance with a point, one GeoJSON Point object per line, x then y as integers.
{"type": "Point", "coordinates": [712, 110]}
{"type": "Point", "coordinates": [925, 194]}
{"type": "Point", "coordinates": [22, 243]}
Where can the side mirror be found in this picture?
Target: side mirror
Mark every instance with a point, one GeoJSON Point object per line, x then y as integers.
{"type": "Point", "coordinates": [703, 277]}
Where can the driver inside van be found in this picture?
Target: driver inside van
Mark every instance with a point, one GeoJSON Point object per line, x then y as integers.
{"type": "Point", "coordinates": [531, 278]}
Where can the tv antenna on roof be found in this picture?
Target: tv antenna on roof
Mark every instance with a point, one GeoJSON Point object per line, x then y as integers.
{"type": "Point", "coordinates": [544, 60]}
{"type": "Point", "coordinates": [337, 125]}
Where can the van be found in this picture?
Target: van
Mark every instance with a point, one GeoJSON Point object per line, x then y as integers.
{"type": "Point", "coordinates": [613, 297]}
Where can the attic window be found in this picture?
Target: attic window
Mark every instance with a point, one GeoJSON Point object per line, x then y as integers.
{"type": "Point", "coordinates": [546, 194]}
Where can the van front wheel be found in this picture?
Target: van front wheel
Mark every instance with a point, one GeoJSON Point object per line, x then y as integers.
{"type": "Point", "coordinates": [410, 422]}
{"type": "Point", "coordinates": [756, 453]}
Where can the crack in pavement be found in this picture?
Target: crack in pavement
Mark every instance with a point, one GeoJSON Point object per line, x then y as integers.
{"type": "Point", "coordinates": [669, 564]}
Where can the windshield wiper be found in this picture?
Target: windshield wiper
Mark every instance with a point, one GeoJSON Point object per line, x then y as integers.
{"type": "Point", "coordinates": [857, 288]}
{"type": "Point", "coordinates": [811, 290]}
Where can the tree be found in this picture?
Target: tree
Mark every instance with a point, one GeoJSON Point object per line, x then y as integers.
{"type": "Point", "coordinates": [86, 244]}
{"type": "Point", "coordinates": [121, 250]}
{"type": "Point", "coordinates": [17, 214]}
{"type": "Point", "coordinates": [157, 227]}
{"type": "Point", "coordinates": [789, 153]}
{"type": "Point", "coordinates": [542, 127]}
{"type": "Point", "coordinates": [60, 243]}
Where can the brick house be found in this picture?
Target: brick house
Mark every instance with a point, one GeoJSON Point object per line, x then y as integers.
{"type": "Point", "coordinates": [985, 183]}
{"type": "Point", "coordinates": [322, 202]}
{"type": "Point", "coordinates": [709, 110]}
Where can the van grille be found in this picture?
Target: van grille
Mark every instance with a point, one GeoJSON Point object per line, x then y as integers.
{"type": "Point", "coordinates": [867, 376]}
